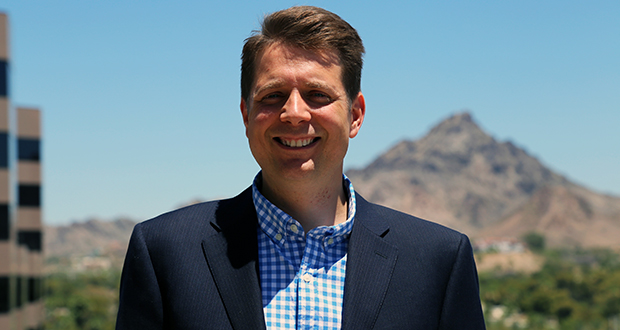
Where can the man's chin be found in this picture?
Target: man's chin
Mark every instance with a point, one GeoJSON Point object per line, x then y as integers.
{"type": "Point", "coordinates": [306, 171]}
{"type": "Point", "coordinates": [296, 171]}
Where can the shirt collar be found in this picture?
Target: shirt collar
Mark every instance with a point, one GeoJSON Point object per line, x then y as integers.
{"type": "Point", "coordinates": [278, 225]}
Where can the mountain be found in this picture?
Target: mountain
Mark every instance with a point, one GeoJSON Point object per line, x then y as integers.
{"type": "Point", "coordinates": [92, 237]}
{"type": "Point", "coordinates": [460, 176]}
{"type": "Point", "coordinates": [568, 215]}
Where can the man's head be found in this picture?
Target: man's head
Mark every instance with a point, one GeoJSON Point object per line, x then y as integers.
{"type": "Point", "coordinates": [298, 106]}
{"type": "Point", "coordinates": [308, 28]}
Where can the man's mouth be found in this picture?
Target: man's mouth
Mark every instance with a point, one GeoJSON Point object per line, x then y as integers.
{"type": "Point", "coordinates": [300, 143]}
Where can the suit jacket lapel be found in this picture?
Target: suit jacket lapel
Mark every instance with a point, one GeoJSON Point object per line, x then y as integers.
{"type": "Point", "coordinates": [370, 262]}
{"type": "Point", "coordinates": [232, 256]}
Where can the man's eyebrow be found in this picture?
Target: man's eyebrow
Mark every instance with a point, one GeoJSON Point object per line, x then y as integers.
{"type": "Point", "coordinates": [275, 84]}
{"type": "Point", "coordinates": [317, 85]}
{"type": "Point", "coordinates": [270, 85]}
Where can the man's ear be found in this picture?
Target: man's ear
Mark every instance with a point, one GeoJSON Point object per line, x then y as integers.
{"type": "Point", "coordinates": [244, 114]}
{"type": "Point", "coordinates": [358, 111]}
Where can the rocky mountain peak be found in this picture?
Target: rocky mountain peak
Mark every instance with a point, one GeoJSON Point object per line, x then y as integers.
{"type": "Point", "coordinates": [456, 134]}
{"type": "Point", "coordinates": [458, 168]}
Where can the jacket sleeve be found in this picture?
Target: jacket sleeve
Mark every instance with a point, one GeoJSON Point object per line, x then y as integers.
{"type": "Point", "coordinates": [140, 302]}
{"type": "Point", "coordinates": [461, 305]}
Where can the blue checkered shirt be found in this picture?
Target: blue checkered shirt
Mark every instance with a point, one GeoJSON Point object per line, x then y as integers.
{"type": "Point", "coordinates": [302, 278]}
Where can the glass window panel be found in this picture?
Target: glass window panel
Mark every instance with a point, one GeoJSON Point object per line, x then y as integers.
{"type": "Point", "coordinates": [4, 150]}
{"type": "Point", "coordinates": [5, 294]}
{"type": "Point", "coordinates": [5, 224]}
{"type": "Point", "coordinates": [4, 78]}
{"type": "Point", "coordinates": [29, 195]}
{"type": "Point", "coordinates": [30, 238]}
{"type": "Point", "coordinates": [29, 149]}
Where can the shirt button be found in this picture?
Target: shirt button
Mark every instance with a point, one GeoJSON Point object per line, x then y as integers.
{"type": "Point", "coordinates": [307, 277]}
{"type": "Point", "coordinates": [278, 237]}
{"type": "Point", "coordinates": [294, 229]}
{"type": "Point", "coordinates": [330, 241]}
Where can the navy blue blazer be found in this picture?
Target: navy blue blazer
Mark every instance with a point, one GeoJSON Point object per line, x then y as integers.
{"type": "Point", "coordinates": [197, 268]}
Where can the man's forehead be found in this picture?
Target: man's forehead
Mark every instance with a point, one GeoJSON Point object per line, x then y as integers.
{"type": "Point", "coordinates": [325, 57]}
{"type": "Point", "coordinates": [285, 53]}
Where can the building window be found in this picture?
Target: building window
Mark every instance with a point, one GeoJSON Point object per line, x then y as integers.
{"type": "Point", "coordinates": [5, 294]}
{"type": "Point", "coordinates": [5, 224]}
{"type": "Point", "coordinates": [29, 195]}
{"type": "Point", "coordinates": [30, 238]}
{"type": "Point", "coordinates": [29, 149]}
{"type": "Point", "coordinates": [18, 292]}
{"type": "Point", "coordinates": [34, 289]}
{"type": "Point", "coordinates": [4, 78]}
{"type": "Point", "coordinates": [4, 150]}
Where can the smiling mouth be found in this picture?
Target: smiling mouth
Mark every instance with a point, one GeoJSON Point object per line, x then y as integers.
{"type": "Point", "coordinates": [296, 143]}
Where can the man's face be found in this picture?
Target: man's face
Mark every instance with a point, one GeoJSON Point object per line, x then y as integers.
{"type": "Point", "coordinates": [298, 118]}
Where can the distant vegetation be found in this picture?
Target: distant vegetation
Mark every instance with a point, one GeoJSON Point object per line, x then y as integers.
{"type": "Point", "coordinates": [535, 241]}
{"type": "Point", "coordinates": [575, 289]}
{"type": "Point", "coordinates": [82, 301]}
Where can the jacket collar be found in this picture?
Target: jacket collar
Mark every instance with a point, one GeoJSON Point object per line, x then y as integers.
{"type": "Point", "coordinates": [232, 255]}
{"type": "Point", "coordinates": [370, 263]}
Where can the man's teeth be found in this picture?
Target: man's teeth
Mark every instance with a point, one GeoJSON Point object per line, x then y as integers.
{"type": "Point", "coordinates": [297, 143]}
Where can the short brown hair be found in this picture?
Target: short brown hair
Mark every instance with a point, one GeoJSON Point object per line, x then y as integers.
{"type": "Point", "coordinates": [309, 28]}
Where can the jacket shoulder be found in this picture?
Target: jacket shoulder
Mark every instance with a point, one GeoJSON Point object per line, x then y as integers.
{"type": "Point", "coordinates": [186, 219]}
{"type": "Point", "coordinates": [197, 219]}
{"type": "Point", "coordinates": [378, 215]}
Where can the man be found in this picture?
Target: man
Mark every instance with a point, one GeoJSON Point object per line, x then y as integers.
{"type": "Point", "coordinates": [299, 248]}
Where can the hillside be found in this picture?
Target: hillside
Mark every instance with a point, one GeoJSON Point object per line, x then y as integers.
{"type": "Point", "coordinates": [460, 176]}
{"type": "Point", "coordinates": [567, 215]}
{"type": "Point", "coordinates": [92, 237]}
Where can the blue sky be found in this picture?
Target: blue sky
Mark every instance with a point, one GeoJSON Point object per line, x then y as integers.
{"type": "Point", "coordinates": [140, 99]}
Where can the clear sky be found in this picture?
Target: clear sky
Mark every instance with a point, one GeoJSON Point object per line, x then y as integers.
{"type": "Point", "coordinates": [140, 99]}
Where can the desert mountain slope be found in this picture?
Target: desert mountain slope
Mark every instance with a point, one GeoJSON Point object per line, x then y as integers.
{"type": "Point", "coordinates": [567, 215]}
{"type": "Point", "coordinates": [86, 238]}
{"type": "Point", "coordinates": [460, 176]}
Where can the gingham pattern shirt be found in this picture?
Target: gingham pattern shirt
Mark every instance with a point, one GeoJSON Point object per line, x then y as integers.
{"type": "Point", "coordinates": [302, 278]}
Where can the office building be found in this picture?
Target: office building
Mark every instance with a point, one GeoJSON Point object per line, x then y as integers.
{"type": "Point", "coordinates": [21, 228]}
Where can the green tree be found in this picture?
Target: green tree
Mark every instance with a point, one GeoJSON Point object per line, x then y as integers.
{"type": "Point", "coordinates": [85, 301]}
{"type": "Point", "coordinates": [575, 289]}
{"type": "Point", "coordinates": [534, 241]}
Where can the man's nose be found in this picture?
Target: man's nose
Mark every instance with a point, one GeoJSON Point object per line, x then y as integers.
{"type": "Point", "coordinates": [295, 110]}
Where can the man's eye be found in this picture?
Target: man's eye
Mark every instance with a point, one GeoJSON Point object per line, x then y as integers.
{"type": "Point", "coordinates": [320, 97]}
{"type": "Point", "coordinates": [271, 98]}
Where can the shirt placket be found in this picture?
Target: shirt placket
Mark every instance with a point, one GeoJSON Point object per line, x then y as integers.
{"type": "Point", "coordinates": [308, 293]}
{"type": "Point", "coordinates": [312, 296]}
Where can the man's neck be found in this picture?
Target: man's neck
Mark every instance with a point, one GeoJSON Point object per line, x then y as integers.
{"type": "Point", "coordinates": [310, 202]}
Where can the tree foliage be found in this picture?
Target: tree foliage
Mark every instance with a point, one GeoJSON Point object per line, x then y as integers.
{"type": "Point", "coordinates": [576, 289]}
{"type": "Point", "coordinates": [534, 241]}
{"type": "Point", "coordinates": [85, 301]}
